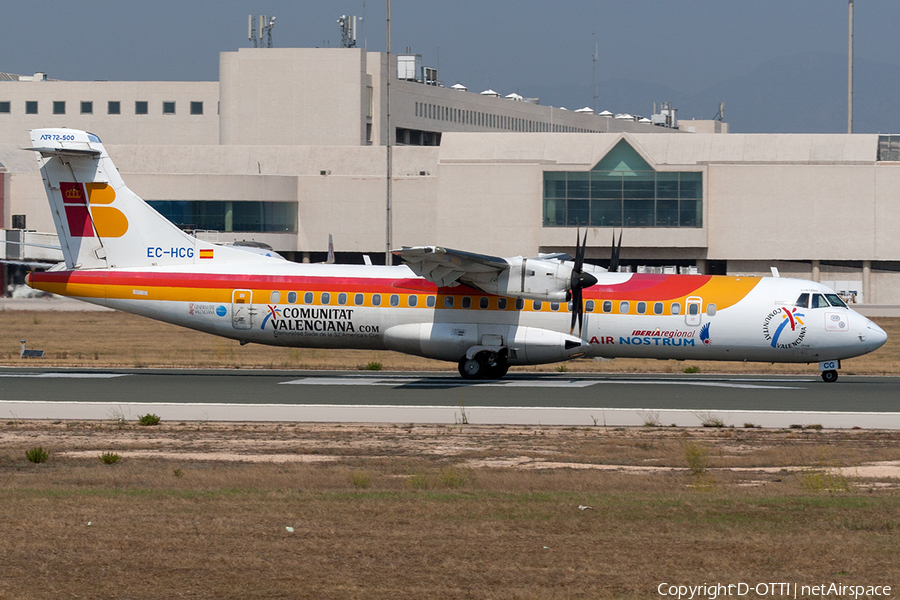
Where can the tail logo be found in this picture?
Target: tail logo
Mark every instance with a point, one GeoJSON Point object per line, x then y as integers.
{"type": "Point", "coordinates": [109, 222]}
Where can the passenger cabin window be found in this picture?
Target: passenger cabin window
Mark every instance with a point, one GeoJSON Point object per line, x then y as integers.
{"type": "Point", "coordinates": [537, 305]}
{"type": "Point", "coordinates": [326, 298]}
{"type": "Point", "coordinates": [292, 297]}
{"type": "Point", "coordinates": [466, 302]}
{"type": "Point", "coordinates": [657, 308]}
{"type": "Point", "coordinates": [835, 300]}
{"type": "Point", "coordinates": [342, 298]}
{"type": "Point", "coordinates": [623, 307]}
{"type": "Point", "coordinates": [429, 301]}
{"type": "Point", "coordinates": [589, 306]}
{"type": "Point", "coordinates": [358, 299]}
{"type": "Point", "coordinates": [641, 307]}
{"type": "Point", "coordinates": [395, 300]}
{"type": "Point", "coordinates": [412, 300]}
{"type": "Point", "coordinates": [483, 302]}
{"type": "Point", "coordinates": [693, 309]}
{"type": "Point", "coordinates": [501, 303]}
{"type": "Point", "coordinates": [376, 299]}
{"type": "Point", "coordinates": [554, 306]}
{"type": "Point", "coordinates": [274, 297]}
{"type": "Point", "coordinates": [676, 308]}
{"type": "Point", "coordinates": [802, 301]}
{"type": "Point", "coordinates": [308, 298]}
{"type": "Point", "coordinates": [607, 306]}
{"type": "Point", "coordinates": [448, 301]}
{"type": "Point", "coordinates": [520, 304]}
{"type": "Point", "coordinates": [711, 310]}
{"type": "Point", "coordinates": [819, 301]}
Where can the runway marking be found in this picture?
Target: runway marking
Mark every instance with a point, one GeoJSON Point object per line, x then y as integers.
{"type": "Point", "coordinates": [448, 382]}
{"type": "Point", "coordinates": [66, 375]}
{"type": "Point", "coordinates": [435, 382]}
{"type": "Point", "coordinates": [725, 384]}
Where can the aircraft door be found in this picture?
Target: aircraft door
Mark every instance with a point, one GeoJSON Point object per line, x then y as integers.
{"type": "Point", "coordinates": [693, 310]}
{"type": "Point", "coordinates": [242, 309]}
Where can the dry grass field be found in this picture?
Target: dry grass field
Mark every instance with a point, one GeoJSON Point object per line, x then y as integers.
{"type": "Point", "coordinates": [202, 510]}
{"type": "Point", "coordinates": [268, 510]}
{"type": "Point", "coordinates": [115, 339]}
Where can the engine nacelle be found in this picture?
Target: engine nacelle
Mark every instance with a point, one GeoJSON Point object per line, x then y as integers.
{"type": "Point", "coordinates": [451, 341]}
{"type": "Point", "coordinates": [532, 278]}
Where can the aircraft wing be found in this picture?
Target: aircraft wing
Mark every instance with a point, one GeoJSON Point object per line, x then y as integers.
{"type": "Point", "coordinates": [445, 266]}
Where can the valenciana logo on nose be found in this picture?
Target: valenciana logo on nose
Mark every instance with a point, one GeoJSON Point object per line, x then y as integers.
{"type": "Point", "coordinates": [784, 328]}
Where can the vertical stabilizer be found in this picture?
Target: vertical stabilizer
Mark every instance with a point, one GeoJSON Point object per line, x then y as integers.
{"type": "Point", "coordinates": [103, 224]}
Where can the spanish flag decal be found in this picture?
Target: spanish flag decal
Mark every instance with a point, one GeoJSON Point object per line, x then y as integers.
{"type": "Point", "coordinates": [206, 253]}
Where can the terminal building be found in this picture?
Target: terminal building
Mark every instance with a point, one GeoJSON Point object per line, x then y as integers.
{"type": "Point", "coordinates": [290, 145]}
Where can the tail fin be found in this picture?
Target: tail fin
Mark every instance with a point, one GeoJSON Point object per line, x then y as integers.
{"type": "Point", "coordinates": [100, 222]}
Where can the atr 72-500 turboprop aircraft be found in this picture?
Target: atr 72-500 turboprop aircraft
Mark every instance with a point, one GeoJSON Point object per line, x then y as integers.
{"type": "Point", "coordinates": [483, 312]}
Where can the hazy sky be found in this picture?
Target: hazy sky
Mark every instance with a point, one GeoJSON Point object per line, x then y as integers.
{"type": "Point", "coordinates": [779, 65]}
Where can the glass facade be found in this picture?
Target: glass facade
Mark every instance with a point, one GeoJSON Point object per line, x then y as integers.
{"type": "Point", "coordinates": [623, 190]}
{"type": "Point", "coordinates": [221, 215]}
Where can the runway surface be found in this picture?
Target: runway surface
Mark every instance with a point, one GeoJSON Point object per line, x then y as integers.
{"type": "Point", "coordinates": [558, 398]}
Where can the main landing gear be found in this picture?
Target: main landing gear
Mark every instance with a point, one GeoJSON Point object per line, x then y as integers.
{"type": "Point", "coordinates": [829, 376]}
{"type": "Point", "coordinates": [484, 365]}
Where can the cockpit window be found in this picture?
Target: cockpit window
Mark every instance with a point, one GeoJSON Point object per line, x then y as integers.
{"type": "Point", "coordinates": [835, 300]}
{"type": "Point", "coordinates": [819, 301]}
{"type": "Point", "coordinates": [802, 301]}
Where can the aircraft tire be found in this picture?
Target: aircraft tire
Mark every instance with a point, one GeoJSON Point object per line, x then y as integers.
{"type": "Point", "coordinates": [829, 376]}
{"type": "Point", "coordinates": [472, 368]}
{"type": "Point", "coordinates": [497, 371]}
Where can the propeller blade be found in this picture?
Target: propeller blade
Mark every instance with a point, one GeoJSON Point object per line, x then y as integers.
{"type": "Point", "coordinates": [616, 252]}
{"type": "Point", "coordinates": [576, 296]}
{"type": "Point", "coordinates": [580, 313]}
{"type": "Point", "coordinates": [580, 280]}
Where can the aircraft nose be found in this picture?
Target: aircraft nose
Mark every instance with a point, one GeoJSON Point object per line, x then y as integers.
{"type": "Point", "coordinates": [875, 336]}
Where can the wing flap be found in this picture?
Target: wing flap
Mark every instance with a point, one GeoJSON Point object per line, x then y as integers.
{"type": "Point", "coordinates": [446, 266]}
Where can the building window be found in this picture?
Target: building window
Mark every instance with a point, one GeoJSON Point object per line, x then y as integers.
{"type": "Point", "coordinates": [240, 216]}
{"type": "Point", "coordinates": [889, 147]}
{"type": "Point", "coordinates": [141, 107]}
{"type": "Point", "coordinates": [114, 107]}
{"type": "Point", "coordinates": [168, 108]}
{"type": "Point", "coordinates": [196, 108]}
{"type": "Point", "coordinates": [623, 190]}
{"type": "Point", "coordinates": [87, 107]}
{"type": "Point", "coordinates": [31, 107]}
{"type": "Point", "coordinates": [59, 107]}
{"type": "Point", "coordinates": [18, 221]}
{"type": "Point", "coordinates": [5, 107]}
